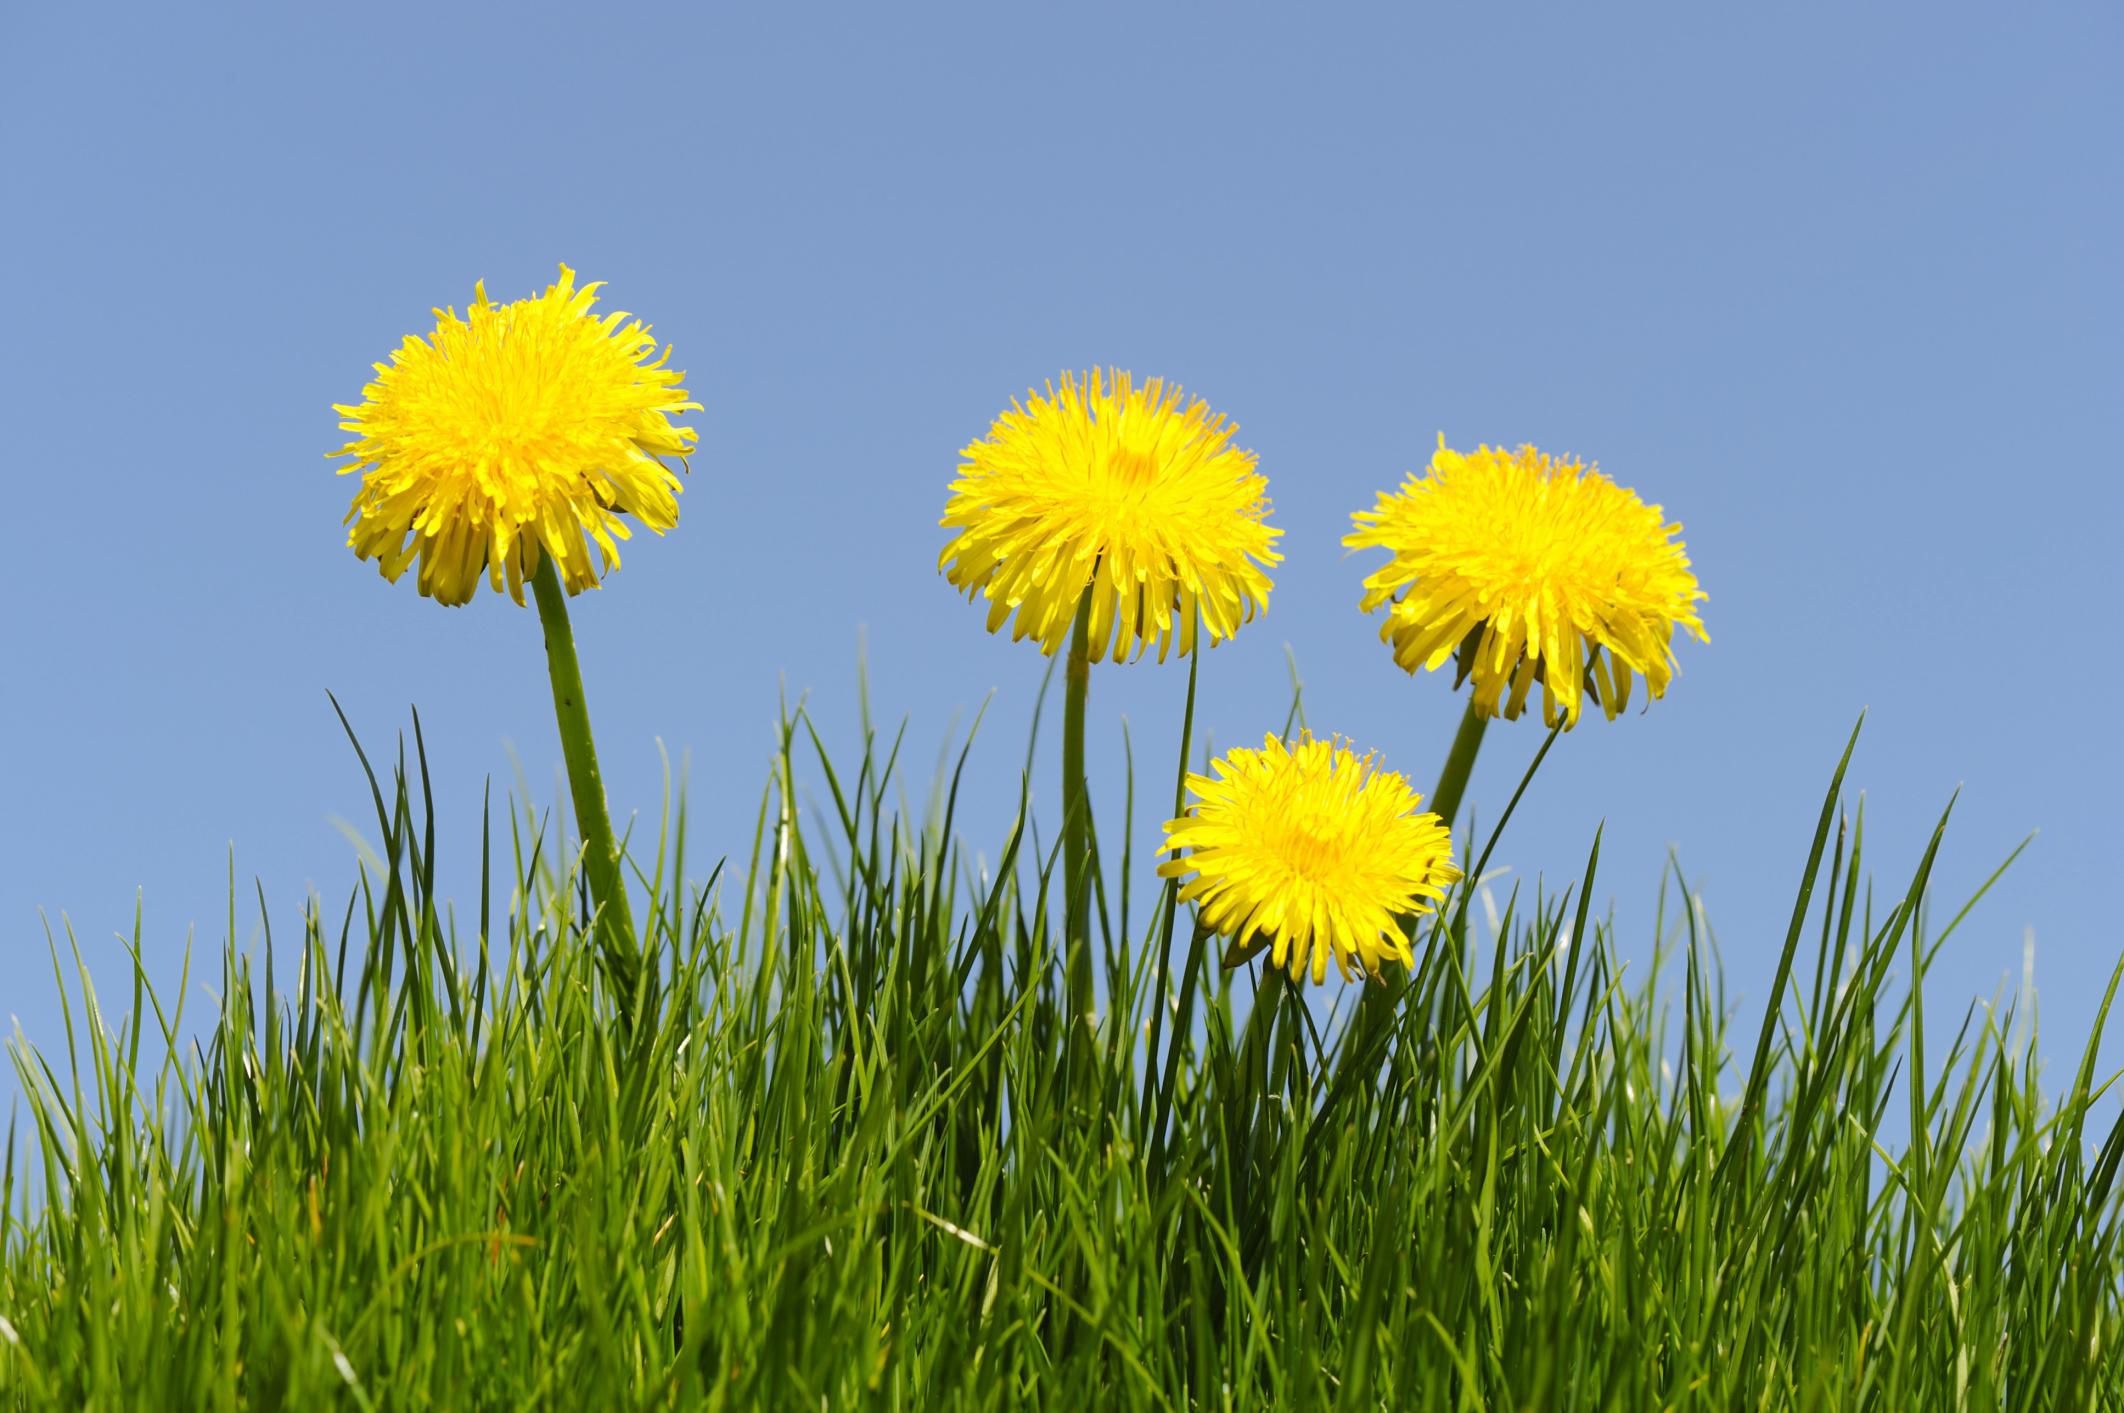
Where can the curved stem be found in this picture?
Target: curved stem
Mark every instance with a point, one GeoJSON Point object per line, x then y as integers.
{"type": "Point", "coordinates": [1163, 986]}
{"type": "Point", "coordinates": [1460, 763]}
{"type": "Point", "coordinates": [600, 851]}
{"type": "Point", "coordinates": [1376, 1011]}
{"type": "Point", "coordinates": [1076, 814]}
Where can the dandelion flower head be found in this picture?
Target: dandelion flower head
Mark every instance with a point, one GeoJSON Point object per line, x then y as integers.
{"type": "Point", "coordinates": [1126, 489]}
{"type": "Point", "coordinates": [1311, 851]}
{"type": "Point", "coordinates": [1527, 568]}
{"type": "Point", "coordinates": [517, 430]}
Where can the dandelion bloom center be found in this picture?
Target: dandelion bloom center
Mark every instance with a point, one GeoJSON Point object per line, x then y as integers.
{"type": "Point", "coordinates": [1126, 490]}
{"type": "Point", "coordinates": [1529, 569]}
{"type": "Point", "coordinates": [517, 430]}
{"type": "Point", "coordinates": [1311, 851]}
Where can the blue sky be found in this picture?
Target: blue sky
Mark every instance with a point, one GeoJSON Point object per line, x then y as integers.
{"type": "Point", "coordinates": [1840, 288]}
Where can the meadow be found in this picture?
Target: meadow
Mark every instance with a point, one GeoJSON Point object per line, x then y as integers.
{"type": "Point", "coordinates": [837, 1160]}
{"type": "Point", "coordinates": [850, 1116]}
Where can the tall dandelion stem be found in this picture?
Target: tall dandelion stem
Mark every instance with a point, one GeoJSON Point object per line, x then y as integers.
{"type": "Point", "coordinates": [585, 783]}
{"type": "Point", "coordinates": [1076, 815]}
{"type": "Point", "coordinates": [1460, 763]}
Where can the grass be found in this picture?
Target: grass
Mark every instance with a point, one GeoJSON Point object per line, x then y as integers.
{"type": "Point", "coordinates": [855, 1149]}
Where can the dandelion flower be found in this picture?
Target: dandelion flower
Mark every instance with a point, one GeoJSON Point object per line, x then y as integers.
{"type": "Point", "coordinates": [1311, 851]}
{"type": "Point", "coordinates": [1123, 488]}
{"type": "Point", "coordinates": [1528, 568]}
{"type": "Point", "coordinates": [518, 430]}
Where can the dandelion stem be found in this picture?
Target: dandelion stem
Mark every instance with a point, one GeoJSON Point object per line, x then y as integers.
{"type": "Point", "coordinates": [1460, 762]}
{"type": "Point", "coordinates": [586, 784]}
{"type": "Point", "coordinates": [1076, 815]}
{"type": "Point", "coordinates": [1376, 1011]}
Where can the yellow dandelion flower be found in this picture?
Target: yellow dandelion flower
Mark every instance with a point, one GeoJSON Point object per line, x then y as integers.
{"type": "Point", "coordinates": [1122, 487]}
{"type": "Point", "coordinates": [1529, 569]}
{"type": "Point", "coordinates": [516, 430]}
{"type": "Point", "coordinates": [1311, 851]}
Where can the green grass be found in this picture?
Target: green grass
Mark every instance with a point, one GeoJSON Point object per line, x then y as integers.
{"type": "Point", "coordinates": [856, 1152]}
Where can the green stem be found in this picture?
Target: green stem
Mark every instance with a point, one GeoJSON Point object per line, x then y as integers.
{"type": "Point", "coordinates": [592, 820]}
{"type": "Point", "coordinates": [1076, 815]}
{"type": "Point", "coordinates": [1196, 952]}
{"type": "Point", "coordinates": [1164, 984]}
{"type": "Point", "coordinates": [1376, 1011]}
{"type": "Point", "coordinates": [1460, 763]}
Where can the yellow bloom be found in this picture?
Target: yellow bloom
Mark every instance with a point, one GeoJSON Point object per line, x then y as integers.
{"type": "Point", "coordinates": [1120, 487]}
{"type": "Point", "coordinates": [517, 429]}
{"type": "Point", "coordinates": [1529, 569]}
{"type": "Point", "coordinates": [1311, 851]}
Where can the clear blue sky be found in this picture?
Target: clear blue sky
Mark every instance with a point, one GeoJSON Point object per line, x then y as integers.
{"type": "Point", "coordinates": [1839, 287]}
